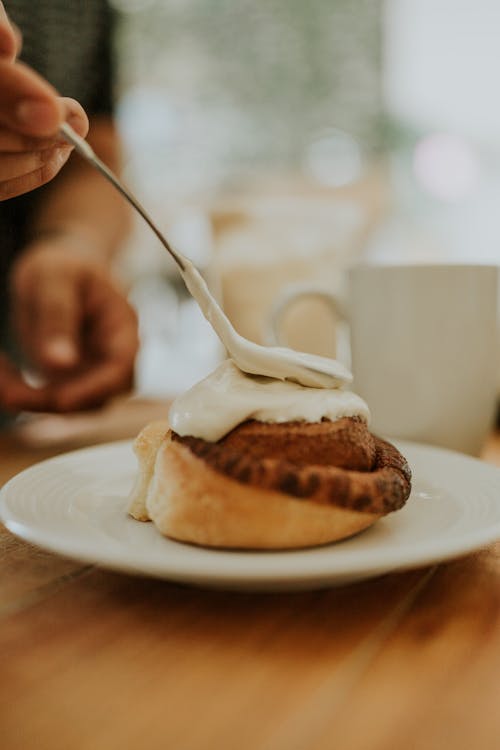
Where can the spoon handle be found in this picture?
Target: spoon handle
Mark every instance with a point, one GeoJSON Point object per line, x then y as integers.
{"type": "Point", "coordinates": [85, 150]}
{"type": "Point", "coordinates": [193, 280]}
{"type": "Point", "coordinates": [248, 356]}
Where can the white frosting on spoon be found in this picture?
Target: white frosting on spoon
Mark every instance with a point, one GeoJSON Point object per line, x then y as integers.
{"type": "Point", "coordinates": [270, 361]}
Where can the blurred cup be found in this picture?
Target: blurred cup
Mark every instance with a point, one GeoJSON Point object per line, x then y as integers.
{"type": "Point", "coordinates": [265, 244]}
{"type": "Point", "coordinates": [424, 344]}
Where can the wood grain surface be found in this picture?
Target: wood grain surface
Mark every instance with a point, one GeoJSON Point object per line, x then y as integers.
{"type": "Point", "coordinates": [100, 661]}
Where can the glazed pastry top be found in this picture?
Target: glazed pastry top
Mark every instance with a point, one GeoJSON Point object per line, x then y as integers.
{"type": "Point", "coordinates": [228, 397]}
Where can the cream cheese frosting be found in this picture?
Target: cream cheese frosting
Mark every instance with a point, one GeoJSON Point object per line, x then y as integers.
{"type": "Point", "coordinates": [228, 397]}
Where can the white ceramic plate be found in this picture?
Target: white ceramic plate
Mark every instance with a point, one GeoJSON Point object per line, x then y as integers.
{"type": "Point", "coordinates": [75, 504]}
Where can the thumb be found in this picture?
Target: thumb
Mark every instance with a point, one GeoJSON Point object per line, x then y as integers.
{"type": "Point", "coordinates": [56, 314]}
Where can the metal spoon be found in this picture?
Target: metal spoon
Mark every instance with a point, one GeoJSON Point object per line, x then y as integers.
{"type": "Point", "coordinates": [275, 362]}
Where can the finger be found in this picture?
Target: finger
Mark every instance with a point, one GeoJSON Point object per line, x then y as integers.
{"type": "Point", "coordinates": [19, 38]}
{"type": "Point", "coordinates": [116, 330]}
{"type": "Point", "coordinates": [10, 37]}
{"type": "Point", "coordinates": [28, 103]}
{"type": "Point", "coordinates": [112, 320]}
{"type": "Point", "coordinates": [21, 320]}
{"type": "Point", "coordinates": [15, 394]}
{"type": "Point", "coordinates": [55, 321]}
{"type": "Point", "coordinates": [40, 176]}
{"type": "Point", "coordinates": [14, 142]}
{"type": "Point", "coordinates": [92, 388]}
{"type": "Point", "coordinates": [75, 115]}
{"type": "Point", "coordinates": [125, 342]}
{"type": "Point", "coordinates": [18, 165]}
{"type": "Point", "coordinates": [110, 344]}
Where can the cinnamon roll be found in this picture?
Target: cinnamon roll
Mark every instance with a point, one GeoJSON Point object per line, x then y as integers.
{"type": "Point", "coordinates": [268, 485]}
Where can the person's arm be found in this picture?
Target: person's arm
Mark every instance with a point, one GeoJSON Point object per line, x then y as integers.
{"type": "Point", "coordinates": [74, 322]}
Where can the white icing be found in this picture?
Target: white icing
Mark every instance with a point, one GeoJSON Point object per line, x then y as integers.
{"type": "Point", "coordinates": [271, 361]}
{"type": "Point", "coordinates": [227, 397]}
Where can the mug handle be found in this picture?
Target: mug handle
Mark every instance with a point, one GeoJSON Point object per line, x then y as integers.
{"type": "Point", "coordinates": [291, 294]}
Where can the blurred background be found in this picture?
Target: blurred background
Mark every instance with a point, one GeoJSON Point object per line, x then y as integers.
{"type": "Point", "coordinates": [254, 132]}
{"type": "Point", "coordinates": [284, 141]}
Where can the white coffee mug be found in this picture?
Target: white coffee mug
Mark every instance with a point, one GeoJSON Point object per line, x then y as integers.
{"type": "Point", "coordinates": [424, 348]}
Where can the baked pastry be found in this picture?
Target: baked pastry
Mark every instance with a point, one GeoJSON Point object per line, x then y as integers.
{"type": "Point", "coordinates": [268, 484]}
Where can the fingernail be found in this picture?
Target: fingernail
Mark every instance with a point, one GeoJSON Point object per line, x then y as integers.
{"type": "Point", "coordinates": [35, 113]}
{"type": "Point", "coordinates": [61, 351]}
{"type": "Point", "coordinates": [73, 119]}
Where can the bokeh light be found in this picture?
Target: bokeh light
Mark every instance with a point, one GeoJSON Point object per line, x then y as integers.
{"type": "Point", "coordinates": [334, 158]}
{"type": "Point", "coordinates": [446, 166]}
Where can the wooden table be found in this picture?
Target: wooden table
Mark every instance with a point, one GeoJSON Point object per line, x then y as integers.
{"type": "Point", "coordinates": [95, 660]}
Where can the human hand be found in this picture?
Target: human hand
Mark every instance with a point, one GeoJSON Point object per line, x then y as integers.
{"type": "Point", "coordinates": [31, 112]}
{"type": "Point", "coordinates": [74, 325]}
